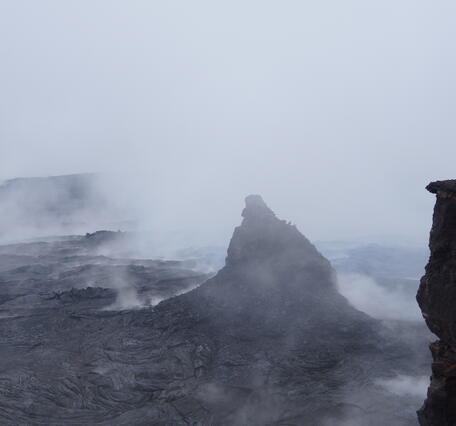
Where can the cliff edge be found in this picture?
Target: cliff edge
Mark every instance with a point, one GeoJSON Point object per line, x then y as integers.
{"type": "Point", "coordinates": [437, 300]}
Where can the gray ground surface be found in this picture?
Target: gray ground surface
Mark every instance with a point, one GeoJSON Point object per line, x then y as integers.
{"type": "Point", "coordinates": [267, 341]}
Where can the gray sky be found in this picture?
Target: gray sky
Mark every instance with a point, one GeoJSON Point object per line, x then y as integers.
{"type": "Point", "coordinates": [337, 112]}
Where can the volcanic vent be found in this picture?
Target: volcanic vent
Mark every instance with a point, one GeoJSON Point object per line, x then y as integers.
{"type": "Point", "coordinates": [274, 274]}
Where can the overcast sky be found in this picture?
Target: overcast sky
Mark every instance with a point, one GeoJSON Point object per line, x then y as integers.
{"type": "Point", "coordinates": [337, 112]}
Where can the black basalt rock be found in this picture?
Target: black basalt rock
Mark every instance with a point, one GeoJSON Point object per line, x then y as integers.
{"type": "Point", "coordinates": [437, 300]}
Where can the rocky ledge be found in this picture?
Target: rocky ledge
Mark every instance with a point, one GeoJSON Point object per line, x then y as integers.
{"type": "Point", "coordinates": [437, 299]}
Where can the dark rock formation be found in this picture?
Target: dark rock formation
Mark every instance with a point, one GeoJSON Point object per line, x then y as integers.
{"type": "Point", "coordinates": [437, 299]}
{"type": "Point", "coordinates": [274, 274]}
{"type": "Point", "coordinates": [267, 341]}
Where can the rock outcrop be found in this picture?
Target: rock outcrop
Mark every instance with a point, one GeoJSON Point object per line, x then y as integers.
{"type": "Point", "coordinates": [273, 272]}
{"type": "Point", "coordinates": [437, 299]}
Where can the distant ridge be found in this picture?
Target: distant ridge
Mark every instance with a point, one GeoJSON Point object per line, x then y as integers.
{"type": "Point", "coordinates": [54, 205]}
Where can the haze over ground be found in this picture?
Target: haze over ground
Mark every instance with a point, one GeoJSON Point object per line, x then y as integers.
{"type": "Point", "coordinates": [338, 113]}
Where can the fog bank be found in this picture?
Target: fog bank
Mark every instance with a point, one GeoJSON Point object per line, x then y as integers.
{"type": "Point", "coordinates": [337, 113]}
